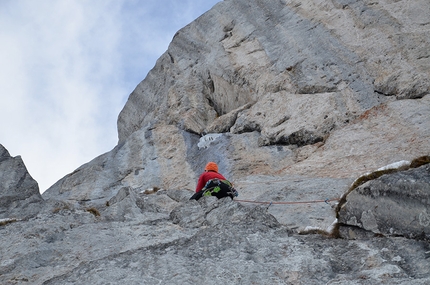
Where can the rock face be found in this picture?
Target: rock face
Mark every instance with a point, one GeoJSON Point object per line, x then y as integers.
{"type": "Point", "coordinates": [313, 88]}
{"type": "Point", "coordinates": [294, 100]}
{"type": "Point", "coordinates": [343, 53]}
{"type": "Point", "coordinates": [395, 204]}
{"type": "Point", "coordinates": [19, 192]}
{"type": "Point", "coordinates": [298, 93]}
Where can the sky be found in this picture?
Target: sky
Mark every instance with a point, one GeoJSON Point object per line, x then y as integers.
{"type": "Point", "coordinates": [67, 68]}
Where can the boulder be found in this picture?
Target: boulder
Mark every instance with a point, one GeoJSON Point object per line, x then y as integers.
{"type": "Point", "coordinates": [395, 204]}
{"type": "Point", "coordinates": [19, 192]}
{"type": "Point", "coordinates": [123, 206]}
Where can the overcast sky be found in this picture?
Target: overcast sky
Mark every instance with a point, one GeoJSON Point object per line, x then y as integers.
{"type": "Point", "coordinates": [67, 68]}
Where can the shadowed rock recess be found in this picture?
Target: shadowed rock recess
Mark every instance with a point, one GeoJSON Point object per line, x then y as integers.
{"type": "Point", "coordinates": [317, 111]}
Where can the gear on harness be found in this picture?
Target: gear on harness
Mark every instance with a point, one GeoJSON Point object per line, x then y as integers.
{"type": "Point", "coordinates": [218, 188]}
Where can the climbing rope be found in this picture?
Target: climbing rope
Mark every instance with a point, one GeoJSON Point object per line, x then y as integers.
{"type": "Point", "coordinates": [327, 201]}
{"type": "Point", "coordinates": [263, 182]}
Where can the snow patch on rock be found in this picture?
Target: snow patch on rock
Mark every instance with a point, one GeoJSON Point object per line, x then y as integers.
{"type": "Point", "coordinates": [396, 165]}
{"type": "Point", "coordinates": [206, 140]}
{"type": "Point", "coordinates": [399, 165]}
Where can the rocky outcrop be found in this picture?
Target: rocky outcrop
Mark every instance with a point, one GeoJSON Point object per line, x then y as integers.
{"type": "Point", "coordinates": [19, 192]}
{"type": "Point", "coordinates": [164, 238]}
{"type": "Point", "coordinates": [394, 204]}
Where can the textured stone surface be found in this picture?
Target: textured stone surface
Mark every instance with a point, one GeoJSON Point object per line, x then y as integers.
{"type": "Point", "coordinates": [253, 53]}
{"type": "Point", "coordinates": [393, 204]}
{"type": "Point", "coordinates": [353, 50]}
{"type": "Point", "coordinates": [188, 242]}
{"type": "Point", "coordinates": [149, 158]}
{"type": "Point", "coordinates": [19, 192]}
{"type": "Point", "coordinates": [296, 191]}
{"type": "Point", "coordinates": [382, 135]}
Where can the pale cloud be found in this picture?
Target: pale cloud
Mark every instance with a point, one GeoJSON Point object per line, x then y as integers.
{"type": "Point", "coordinates": [67, 68]}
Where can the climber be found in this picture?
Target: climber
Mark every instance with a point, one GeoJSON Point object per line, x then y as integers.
{"type": "Point", "coordinates": [212, 183]}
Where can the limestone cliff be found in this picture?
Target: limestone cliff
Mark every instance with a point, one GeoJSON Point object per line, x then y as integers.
{"type": "Point", "coordinates": [300, 98]}
{"type": "Point", "coordinates": [312, 89]}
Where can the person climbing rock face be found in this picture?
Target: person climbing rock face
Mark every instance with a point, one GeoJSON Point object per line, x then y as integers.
{"type": "Point", "coordinates": [212, 183]}
{"type": "Point", "coordinates": [211, 172]}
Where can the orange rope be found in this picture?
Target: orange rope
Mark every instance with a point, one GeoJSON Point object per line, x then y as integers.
{"type": "Point", "coordinates": [262, 182]}
{"type": "Point", "coordinates": [289, 203]}
{"type": "Point", "coordinates": [281, 202]}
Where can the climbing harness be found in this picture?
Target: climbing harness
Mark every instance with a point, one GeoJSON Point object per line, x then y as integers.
{"type": "Point", "coordinates": [219, 188]}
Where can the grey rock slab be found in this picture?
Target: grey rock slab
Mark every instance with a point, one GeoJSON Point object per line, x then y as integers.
{"type": "Point", "coordinates": [209, 241]}
{"type": "Point", "coordinates": [233, 245]}
{"type": "Point", "coordinates": [191, 216]}
{"type": "Point", "coordinates": [291, 119]}
{"type": "Point", "coordinates": [376, 32]}
{"type": "Point", "coordinates": [151, 158]}
{"type": "Point", "coordinates": [223, 123]}
{"type": "Point", "coordinates": [54, 244]}
{"type": "Point", "coordinates": [123, 206]}
{"type": "Point", "coordinates": [302, 203]}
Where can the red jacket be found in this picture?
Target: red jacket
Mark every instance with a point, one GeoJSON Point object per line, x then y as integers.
{"type": "Point", "coordinates": [205, 177]}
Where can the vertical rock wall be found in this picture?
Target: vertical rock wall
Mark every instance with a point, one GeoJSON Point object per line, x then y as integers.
{"type": "Point", "coordinates": [327, 89]}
